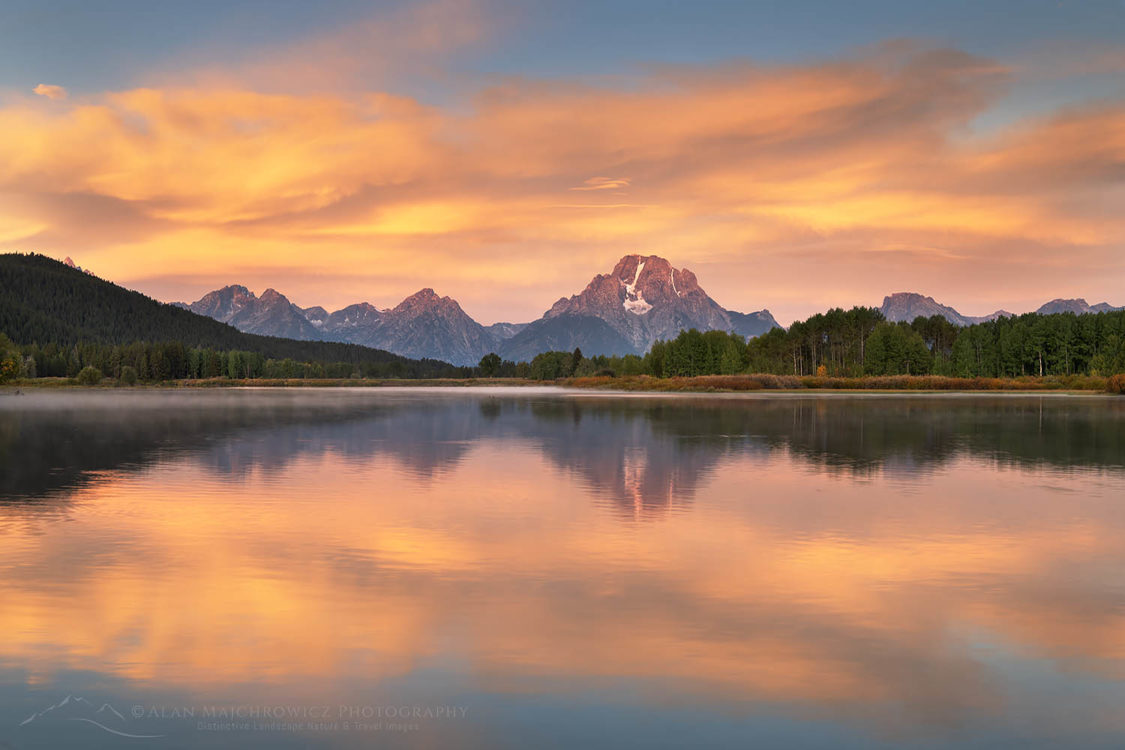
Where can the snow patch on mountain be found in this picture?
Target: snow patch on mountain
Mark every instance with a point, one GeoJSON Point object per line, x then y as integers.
{"type": "Point", "coordinates": [637, 306]}
{"type": "Point", "coordinates": [635, 302]}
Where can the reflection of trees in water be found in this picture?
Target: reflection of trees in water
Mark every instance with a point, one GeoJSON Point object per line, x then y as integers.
{"type": "Point", "coordinates": [645, 455]}
{"type": "Point", "coordinates": [921, 434]}
{"type": "Point", "coordinates": [909, 435]}
{"type": "Point", "coordinates": [678, 441]}
{"type": "Point", "coordinates": [47, 450]}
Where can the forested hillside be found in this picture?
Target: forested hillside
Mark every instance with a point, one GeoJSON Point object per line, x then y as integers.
{"type": "Point", "coordinates": [66, 318]}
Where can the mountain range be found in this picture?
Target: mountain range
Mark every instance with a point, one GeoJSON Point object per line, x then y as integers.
{"type": "Point", "coordinates": [43, 300]}
{"type": "Point", "coordinates": [906, 306]}
{"type": "Point", "coordinates": [641, 300]}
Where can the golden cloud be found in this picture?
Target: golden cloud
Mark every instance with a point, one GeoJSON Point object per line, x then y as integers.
{"type": "Point", "coordinates": [869, 164]}
{"type": "Point", "coordinates": [603, 183]}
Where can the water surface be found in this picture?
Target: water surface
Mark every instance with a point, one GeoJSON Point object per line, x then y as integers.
{"type": "Point", "coordinates": [538, 568]}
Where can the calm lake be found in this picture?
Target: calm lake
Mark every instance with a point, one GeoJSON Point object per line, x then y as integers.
{"type": "Point", "coordinates": [534, 568]}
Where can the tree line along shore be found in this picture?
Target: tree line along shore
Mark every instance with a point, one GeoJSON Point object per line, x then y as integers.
{"type": "Point", "coordinates": [840, 349]}
{"type": "Point", "coordinates": [640, 383]}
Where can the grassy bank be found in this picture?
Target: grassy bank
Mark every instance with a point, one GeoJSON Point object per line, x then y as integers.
{"type": "Point", "coordinates": [759, 382]}
{"type": "Point", "coordinates": [49, 383]}
{"type": "Point", "coordinates": [697, 384]}
{"type": "Point", "coordinates": [350, 383]}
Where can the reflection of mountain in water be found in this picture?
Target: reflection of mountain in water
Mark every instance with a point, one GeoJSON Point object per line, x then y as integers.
{"type": "Point", "coordinates": [628, 452]}
{"type": "Point", "coordinates": [644, 454]}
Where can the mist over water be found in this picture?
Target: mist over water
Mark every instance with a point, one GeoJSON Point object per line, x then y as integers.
{"type": "Point", "coordinates": [536, 567]}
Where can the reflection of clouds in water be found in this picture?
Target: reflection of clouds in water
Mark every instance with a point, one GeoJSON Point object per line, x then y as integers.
{"type": "Point", "coordinates": [731, 604]}
{"type": "Point", "coordinates": [329, 539]}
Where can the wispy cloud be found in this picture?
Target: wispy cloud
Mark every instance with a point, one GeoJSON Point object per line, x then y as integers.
{"type": "Point", "coordinates": [604, 183]}
{"type": "Point", "coordinates": [50, 91]}
{"type": "Point", "coordinates": [759, 174]}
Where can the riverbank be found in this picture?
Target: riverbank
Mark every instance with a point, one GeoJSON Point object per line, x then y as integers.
{"type": "Point", "coordinates": [910, 383]}
{"type": "Point", "coordinates": [48, 383]}
{"type": "Point", "coordinates": [645, 383]}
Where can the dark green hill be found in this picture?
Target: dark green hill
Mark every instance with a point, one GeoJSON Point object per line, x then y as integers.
{"type": "Point", "coordinates": [43, 301]}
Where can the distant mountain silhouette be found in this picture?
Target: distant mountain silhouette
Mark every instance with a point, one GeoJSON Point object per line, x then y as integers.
{"type": "Point", "coordinates": [272, 314]}
{"type": "Point", "coordinates": [906, 306]}
{"type": "Point", "coordinates": [643, 299]}
{"type": "Point", "coordinates": [43, 300]}
{"type": "Point", "coordinates": [423, 326]}
{"type": "Point", "coordinates": [1076, 306]}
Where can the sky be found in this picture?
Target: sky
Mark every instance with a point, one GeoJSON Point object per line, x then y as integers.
{"type": "Point", "coordinates": [795, 155]}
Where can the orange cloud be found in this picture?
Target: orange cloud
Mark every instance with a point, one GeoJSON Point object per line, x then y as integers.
{"type": "Point", "coordinates": [49, 91]}
{"type": "Point", "coordinates": [603, 183]}
{"type": "Point", "coordinates": [865, 167]}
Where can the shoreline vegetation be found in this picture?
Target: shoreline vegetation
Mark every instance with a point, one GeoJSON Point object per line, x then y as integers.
{"type": "Point", "coordinates": [68, 327]}
{"type": "Point", "coordinates": [643, 383]}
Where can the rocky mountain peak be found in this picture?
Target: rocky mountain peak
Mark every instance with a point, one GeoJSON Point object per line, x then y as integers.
{"type": "Point", "coordinates": [900, 297]}
{"type": "Point", "coordinates": [69, 263]}
{"type": "Point", "coordinates": [626, 268]}
{"type": "Point", "coordinates": [223, 304]}
{"type": "Point", "coordinates": [644, 299]}
{"type": "Point", "coordinates": [1078, 306]}
{"type": "Point", "coordinates": [315, 314]}
{"type": "Point", "coordinates": [654, 280]}
{"type": "Point", "coordinates": [906, 306]}
{"type": "Point", "coordinates": [271, 314]}
{"type": "Point", "coordinates": [427, 299]}
{"type": "Point", "coordinates": [341, 323]}
{"type": "Point", "coordinates": [235, 291]}
{"type": "Point", "coordinates": [429, 325]}
{"type": "Point", "coordinates": [1060, 305]}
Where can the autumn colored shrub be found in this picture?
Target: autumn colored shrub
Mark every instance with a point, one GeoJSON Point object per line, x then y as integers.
{"type": "Point", "coordinates": [770, 381]}
{"type": "Point", "coordinates": [9, 359]}
{"type": "Point", "coordinates": [9, 368]}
